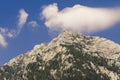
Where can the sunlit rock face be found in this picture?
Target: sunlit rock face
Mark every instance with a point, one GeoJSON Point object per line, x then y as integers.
{"type": "Point", "coordinates": [70, 56]}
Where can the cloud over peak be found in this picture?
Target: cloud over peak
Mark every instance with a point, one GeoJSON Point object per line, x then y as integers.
{"type": "Point", "coordinates": [80, 18]}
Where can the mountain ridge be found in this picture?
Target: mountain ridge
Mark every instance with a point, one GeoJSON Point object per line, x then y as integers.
{"type": "Point", "coordinates": [68, 56]}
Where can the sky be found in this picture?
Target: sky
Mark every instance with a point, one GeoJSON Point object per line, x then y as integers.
{"type": "Point", "coordinates": [25, 23]}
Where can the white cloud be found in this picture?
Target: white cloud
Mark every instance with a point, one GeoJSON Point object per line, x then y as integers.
{"type": "Point", "coordinates": [23, 15]}
{"type": "Point", "coordinates": [11, 33]}
{"type": "Point", "coordinates": [80, 18]}
{"type": "Point", "coordinates": [3, 43]}
{"type": "Point", "coordinates": [33, 23]}
{"type": "Point", "coordinates": [8, 33]}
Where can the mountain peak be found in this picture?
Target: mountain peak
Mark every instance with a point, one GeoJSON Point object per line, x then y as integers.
{"type": "Point", "coordinates": [69, 33]}
{"type": "Point", "coordinates": [70, 56]}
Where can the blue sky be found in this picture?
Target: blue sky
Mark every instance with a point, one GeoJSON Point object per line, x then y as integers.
{"type": "Point", "coordinates": [33, 31]}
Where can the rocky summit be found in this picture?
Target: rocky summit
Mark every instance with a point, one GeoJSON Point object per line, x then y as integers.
{"type": "Point", "coordinates": [70, 56]}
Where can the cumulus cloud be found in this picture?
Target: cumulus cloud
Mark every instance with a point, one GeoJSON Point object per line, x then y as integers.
{"type": "Point", "coordinates": [23, 15]}
{"type": "Point", "coordinates": [3, 42]}
{"type": "Point", "coordinates": [80, 18]}
{"type": "Point", "coordinates": [33, 23]}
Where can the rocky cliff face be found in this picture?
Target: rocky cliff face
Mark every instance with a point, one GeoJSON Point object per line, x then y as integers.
{"type": "Point", "coordinates": [70, 56]}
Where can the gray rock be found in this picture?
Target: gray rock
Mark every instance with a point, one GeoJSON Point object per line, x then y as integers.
{"type": "Point", "coordinates": [70, 56]}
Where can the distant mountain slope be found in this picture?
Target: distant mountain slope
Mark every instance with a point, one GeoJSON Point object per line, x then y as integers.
{"type": "Point", "coordinates": [70, 56]}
